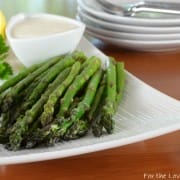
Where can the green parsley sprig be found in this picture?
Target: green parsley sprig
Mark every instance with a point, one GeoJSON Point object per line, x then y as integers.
{"type": "Point", "coordinates": [5, 69]}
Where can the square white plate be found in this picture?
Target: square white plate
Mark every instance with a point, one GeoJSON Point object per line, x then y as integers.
{"type": "Point", "coordinates": [144, 113]}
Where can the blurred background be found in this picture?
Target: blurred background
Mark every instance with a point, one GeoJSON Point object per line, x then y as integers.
{"type": "Point", "coordinates": [63, 7]}
{"type": "Point", "coordinates": [148, 31]}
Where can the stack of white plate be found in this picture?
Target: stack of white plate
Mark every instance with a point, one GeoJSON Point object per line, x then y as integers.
{"type": "Point", "coordinates": [144, 34]}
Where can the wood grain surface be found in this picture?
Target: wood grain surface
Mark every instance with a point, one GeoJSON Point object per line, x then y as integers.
{"type": "Point", "coordinates": [158, 158]}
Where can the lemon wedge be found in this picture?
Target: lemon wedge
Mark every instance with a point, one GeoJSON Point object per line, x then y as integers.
{"type": "Point", "coordinates": [2, 24]}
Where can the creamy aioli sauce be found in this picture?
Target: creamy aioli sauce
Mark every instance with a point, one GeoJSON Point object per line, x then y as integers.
{"type": "Point", "coordinates": [39, 26]}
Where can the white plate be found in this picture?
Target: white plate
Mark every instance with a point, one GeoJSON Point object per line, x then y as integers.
{"type": "Point", "coordinates": [92, 7]}
{"type": "Point", "coordinates": [132, 36]}
{"type": "Point", "coordinates": [129, 36]}
{"type": "Point", "coordinates": [143, 113]}
{"type": "Point", "coordinates": [149, 46]}
{"type": "Point", "coordinates": [127, 28]}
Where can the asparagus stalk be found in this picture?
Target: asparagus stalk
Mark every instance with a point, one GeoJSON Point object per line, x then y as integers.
{"type": "Point", "coordinates": [30, 138]}
{"type": "Point", "coordinates": [9, 120]}
{"type": "Point", "coordinates": [13, 93]}
{"type": "Point", "coordinates": [2, 96]}
{"type": "Point", "coordinates": [97, 127]}
{"type": "Point", "coordinates": [97, 99]}
{"type": "Point", "coordinates": [21, 98]}
{"type": "Point", "coordinates": [16, 111]}
{"type": "Point", "coordinates": [79, 81]}
{"type": "Point", "coordinates": [15, 79]}
{"type": "Point", "coordinates": [85, 104]}
{"type": "Point", "coordinates": [58, 127]}
{"type": "Point", "coordinates": [48, 113]}
{"type": "Point", "coordinates": [79, 56]}
{"type": "Point", "coordinates": [44, 79]}
{"type": "Point", "coordinates": [49, 77]}
{"type": "Point", "coordinates": [22, 124]}
{"type": "Point", "coordinates": [94, 115]}
{"type": "Point", "coordinates": [72, 95]}
{"type": "Point", "coordinates": [24, 95]}
{"type": "Point", "coordinates": [110, 100]}
{"type": "Point", "coordinates": [74, 127]}
{"type": "Point", "coordinates": [3, 136]}
{"type": "Point", "coordinates": [79, 127]}
{"type": "Point", "coordinates": [120, 82]}
{"type": "Point", "coordinates": [85, 63]}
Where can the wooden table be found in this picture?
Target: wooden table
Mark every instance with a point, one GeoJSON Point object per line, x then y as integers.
{"type": "Point", "coordinates": [158, 158]}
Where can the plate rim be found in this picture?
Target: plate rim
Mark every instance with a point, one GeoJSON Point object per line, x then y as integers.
{"type": "Point", "coordinates": [37, 157]}
{"type": "Point", "coordinates": [58, 154]}
{"type": "Point", "coordinates": [128, 27]}
{"type": "Point", "coordinates": [132, 36]}
{"type": "Point", "coordinates": [166, 42]}
{"type": "Point", "coordinates": [104, 15]}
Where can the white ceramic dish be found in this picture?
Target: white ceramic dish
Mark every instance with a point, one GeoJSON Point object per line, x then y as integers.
{"type": "Point", "coordinates": [148, 46]}
{"type": "Point", "coordinates": [127, 28]}
{"type": "Point", "coordinates": [92, 7]}
{"type": "Point", "coordinates": [132, 36]}
{"type": "Point", "coordinates": [129, 36]}
{"type": "Point", "coordinates": [33, 50]}
{"type": "Point", "coordinates": [143, 114]}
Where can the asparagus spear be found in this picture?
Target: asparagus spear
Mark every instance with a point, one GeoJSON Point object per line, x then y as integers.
{"type": "Point", "coordinates": [79, 127]}
{"type": "Point", "coordinates": [77, 84]}
{"type": "Point", "coordinates": [13, 93]}
{"type": "Point", "coordinates": [97, 127]}
{"type": "Point", "coordinates": [60, 125]}
{"type": "Point", "coordinates": [74, 127]}
{"type": "Point", "coordinates": [3, 136]}
{"type": "Point", "coordinates": [30, 138]}
{"type": "Point", "coordinates": [6, 122]}
{"type": "Point", "coordinates": [120, 82]}
{"type": "Point", "coordinates": [22, 124]}
{"type": "Point", "coordinates": [25, 94]}
{"type": "Point", "coordinates": [79, 56]}
{"type": "Point", "coordinates": [12, 81]}
{"type": "Point", "coordinates": [110, 100]}
{"type": "Point", "coordinates": [48, 113]}
{"type": "Point", "coordinates": [94, 115]}
{"type": "Point", "coordinates": [50, 75]}
{"type": "Point", "coordinates": [16, 110]}
{"type": "Point", "coordinates": [43, 80]}
{"type": "Point", "coordinates": [85, 63]}
{"type": "Point", "coordinates": [22, 96]}
{"type": "Point", "coordinates": [2, 96]}
{"type": "Point", "coordinates": [85, 104]}
{"type": "Point", "coordinates": [97, 99]}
